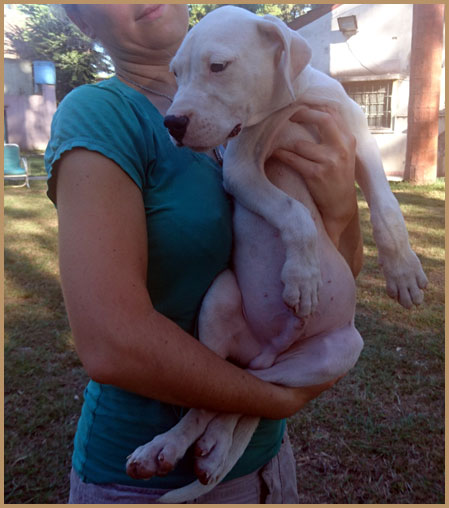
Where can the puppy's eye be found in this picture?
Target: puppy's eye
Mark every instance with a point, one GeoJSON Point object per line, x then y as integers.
{"type": "Point", "coordinates": [175, 73]}
{"type": "Point", "coordinates": [218, 67]}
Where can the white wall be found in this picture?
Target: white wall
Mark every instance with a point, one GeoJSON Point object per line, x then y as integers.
{"type": "Point", "coordinates": [382, 44]}
{"type": "Point", "coordinates": [28, 118]}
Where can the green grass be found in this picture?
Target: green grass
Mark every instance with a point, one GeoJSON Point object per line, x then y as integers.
{"type": "Point", "coordinates": [376, 437]}
{"type": "Point", "coordinates": [44, 380]}
{"type": "Point", "coordinates": [35, 163]}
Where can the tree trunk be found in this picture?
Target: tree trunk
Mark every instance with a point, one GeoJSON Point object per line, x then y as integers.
{"type": "Point", "coordinates": [424, 100]}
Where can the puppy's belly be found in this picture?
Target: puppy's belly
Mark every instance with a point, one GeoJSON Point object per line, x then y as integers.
{"type": "Point", "coordinates": [258, 258]}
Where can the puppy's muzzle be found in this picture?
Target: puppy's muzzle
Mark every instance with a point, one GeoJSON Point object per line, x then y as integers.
{"type": "Point", "coordinates": [177, 126]}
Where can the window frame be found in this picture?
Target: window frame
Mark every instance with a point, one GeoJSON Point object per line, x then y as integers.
{"type": "Point", "coordinates": [362, 87]}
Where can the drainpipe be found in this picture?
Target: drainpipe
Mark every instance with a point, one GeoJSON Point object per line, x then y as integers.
{"type": "Point", "coordinates": [424, 99]}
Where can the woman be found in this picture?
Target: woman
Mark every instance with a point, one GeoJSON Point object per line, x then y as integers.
{"type": "Point", "coordinates": [144, 228]}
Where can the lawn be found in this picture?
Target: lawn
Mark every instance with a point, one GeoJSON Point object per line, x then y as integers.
{"type": "Point", "coordinates": [35, 163]}
{"type": "Point", "coordinates": [376, 437]}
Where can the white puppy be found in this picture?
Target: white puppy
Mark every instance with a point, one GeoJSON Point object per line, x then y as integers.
{"type": "Point", "coordinates": [240, 78]}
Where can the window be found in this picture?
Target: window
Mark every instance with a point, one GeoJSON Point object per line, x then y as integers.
{"type": "Point", "coordinates": [374, 97]}
{"type": "Point", "coordinates": [18, 77]}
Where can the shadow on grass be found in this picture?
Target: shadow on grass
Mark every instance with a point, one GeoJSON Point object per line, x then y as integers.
{"type": "Point", "coordinates": [44, 380]}
{"type": "Point", "coordinates": [410, 198]}
{"type": "Point", "coordinates": [14, 213]}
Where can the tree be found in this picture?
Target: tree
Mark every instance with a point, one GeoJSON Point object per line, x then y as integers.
{"type": "Point", "coordinates": [286, 12]}
{"type": "Point", "coordinates": [47, 35]}
{"type": "Point", "coordinates": [425, 74]}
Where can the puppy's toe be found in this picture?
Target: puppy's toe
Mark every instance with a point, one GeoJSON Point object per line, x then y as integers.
{"type": "Point", "coordinates": [158, 457]}
{"type": "Point", "coordinates": [309, 300]}
{"type": "Point", "coordinates": [138, 470]}
{"type": "Point", "coordinates": [208, 468]}
{"type": "Point", "coordinates": [404, 297]}
{"type": "Point", "coordinates": [416, 295]}
{"type": "Point", "coordinates": [164, 465]}
{"type": "Point", "coordinates": [212, 451]}
{"type": "Point", "coordinates": [203, 476]}
{"type": "Point", "coordinates": [204, 446]}
{"type": "Point", "coordinates": [291, 297]}
{"type": "Point", "coordinates": [422, 280]}
{"type": "Point", "coordinates": [392, 289]}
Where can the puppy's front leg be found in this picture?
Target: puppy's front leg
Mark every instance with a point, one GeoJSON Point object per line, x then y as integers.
{"type": "Point", "coordinates": [403, 272]}
{"type": "Point", "coordinates": [245, 179]}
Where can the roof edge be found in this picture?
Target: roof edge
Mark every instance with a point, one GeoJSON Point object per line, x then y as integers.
{"type": "Point", "coordinates": [311, 16]}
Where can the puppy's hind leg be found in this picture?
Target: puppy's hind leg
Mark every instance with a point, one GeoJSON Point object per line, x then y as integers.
{"type": "Point", "coordinates": [222, 325]}
{"type": "Point", "coordinates": [292, 332]}
{"type": "Point", "coordinates": [219, 454]}
{"type": "Point", "coordinates": [160, 456]}
{"type": "Point", "coordinates": [241, 436]}
{"type": "Point", "coordinates": [212, 449]}
{"type": "Point", "coordinates": [316, 360]}
{"type": "Point", "coordinates": [223, 329]}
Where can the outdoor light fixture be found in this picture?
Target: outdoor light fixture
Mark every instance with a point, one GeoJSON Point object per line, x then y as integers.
{"type": "Point", "coordinates": [347, 25]}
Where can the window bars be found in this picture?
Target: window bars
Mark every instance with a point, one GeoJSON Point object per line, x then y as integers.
{"type": "Point", "coordinates": [374, 97]}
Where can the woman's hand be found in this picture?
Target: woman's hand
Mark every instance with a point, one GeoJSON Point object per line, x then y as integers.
{"type": "Point", "coordinates": [305, 394]}
{"type": "Point", "coordinates": [328, 168]}
{"type": "Point", "coordinates": [299, 397]}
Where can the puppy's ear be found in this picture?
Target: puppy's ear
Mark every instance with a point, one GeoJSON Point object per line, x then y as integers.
{"type": "Point", "coordinates": [294, 52]}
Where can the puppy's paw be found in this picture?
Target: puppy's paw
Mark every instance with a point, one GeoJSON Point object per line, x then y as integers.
{"type": "Point", "coordinates": [156, 458]}
{"type": "Point", "coordinates": [211, 452]}
{"type": "Point", "coordinates": [302, 284]}
{"type": "Point", "coordinates": [405, 278]}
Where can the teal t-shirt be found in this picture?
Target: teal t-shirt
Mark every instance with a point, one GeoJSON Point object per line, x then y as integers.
{"type": "Point", "coordinates": [189, 228]}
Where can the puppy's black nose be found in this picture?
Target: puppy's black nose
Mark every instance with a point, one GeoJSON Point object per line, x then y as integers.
{"type": "Point", "coordinates": [177, 126]}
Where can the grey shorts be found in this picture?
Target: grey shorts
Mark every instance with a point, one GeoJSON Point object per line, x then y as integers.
{"type": "Point", "coordinates": [274, 483]}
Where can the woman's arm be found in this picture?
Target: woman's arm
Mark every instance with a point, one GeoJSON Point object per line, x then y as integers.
{"type": "Point", "coordinates": [119, 336]}
{"type": "Point", "coordinates": [328, 168]}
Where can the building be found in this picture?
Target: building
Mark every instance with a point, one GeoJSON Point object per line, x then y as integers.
{"type": "Point", "coordinates": [29, 97]}
{"type": "Point", "coordinates": [29, 104]}
{"type": "Point", "coordinates": [367, 47]}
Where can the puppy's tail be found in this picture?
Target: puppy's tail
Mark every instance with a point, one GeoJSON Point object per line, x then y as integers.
{"type": "Point", "coordinates": [241, 437]}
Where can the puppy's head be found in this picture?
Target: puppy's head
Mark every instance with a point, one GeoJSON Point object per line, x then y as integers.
{"type": "Point", "coordinates": [233, 69]}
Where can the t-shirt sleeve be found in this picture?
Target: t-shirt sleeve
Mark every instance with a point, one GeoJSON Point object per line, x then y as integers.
{"type": "Point", "coordinates": [99, 119]}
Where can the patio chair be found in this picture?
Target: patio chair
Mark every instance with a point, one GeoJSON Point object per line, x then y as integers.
{"type": "Point", "coordinates": [16, 167]}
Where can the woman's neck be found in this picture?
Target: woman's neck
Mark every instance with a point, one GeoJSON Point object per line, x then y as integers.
{"type": "Point", "coordinates": [156, 77]}
{"type": "Point", "coordinates": [157, 83]}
